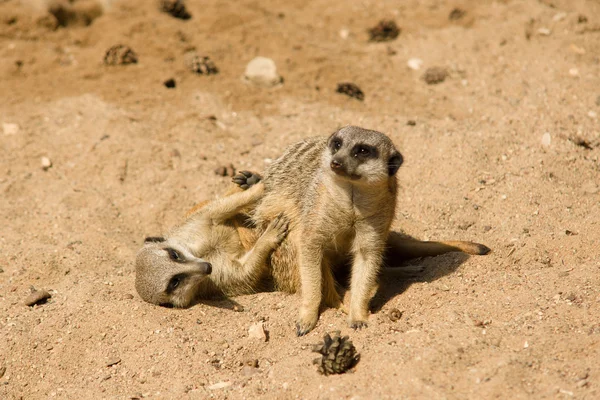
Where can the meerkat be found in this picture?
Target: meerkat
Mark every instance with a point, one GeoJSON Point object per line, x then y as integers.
{"type": "Point", "coordinates": [339, 194]}
{"type": "Point", "coordinates": [206, 256]}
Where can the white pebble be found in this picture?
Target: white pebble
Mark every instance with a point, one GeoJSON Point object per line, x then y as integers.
{"type": "Point", "coordinates": [544, 31]}
{"type": "Point", "coordinates": [592, 114]}
{"type": "Point", "coordinates": [46, 163]}
{"type": "Point", "coordinates": [574, 72]}
{"type": "Point", "coordinates": [546, 139]}
{"type": "Point", "coordinates": [414, 63]}
{"type": "Point", "coordinates": [257, 331]}
{"type": "Point", "coordinates": [219, 385]}
{"type": "Point", "coordinates": [262, 72]}
{"type": "Point", "coordinates": [559, 17]}
{"type": "Point", "coordinates": [344, 33]}
{"type": "Point", "coordinates": [10, 129]}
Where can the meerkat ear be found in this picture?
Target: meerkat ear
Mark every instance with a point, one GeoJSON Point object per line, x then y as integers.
{"type": "Point", "coordinates": [394, 163]}
{"type": "Point", "coordinates": [154, 239]}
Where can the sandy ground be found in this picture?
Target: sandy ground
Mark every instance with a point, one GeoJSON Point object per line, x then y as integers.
{"type": "Point", "coordinates": [504, 151]}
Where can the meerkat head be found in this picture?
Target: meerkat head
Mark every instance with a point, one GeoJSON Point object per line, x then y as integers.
{"type": "Point", "coordinates": [167, 273]}
{"type": "Point", "coordinates": [362, 155]}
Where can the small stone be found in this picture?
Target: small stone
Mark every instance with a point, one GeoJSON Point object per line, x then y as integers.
{"type": "Point", "coordinates": [456, 14]}
{"type": "Point", "coordinates": [559, 17]}
{"type": "Point", "coordinates": [257, 331]}
{"type": "Point", "coordinates": [435, 75]}
{"type": "Point", "coordinates": [582, 383]}
{"type": "Point", "coordinates": [170, 83]}
{"type": "Point", "coordinates": [544, 31]}
{"type": "Point", "coordinates": [238, 308]}
{"type": "Point", "coordinates": [582, 19]}
{"type": "Point", "coordinates": [128, 296]}
{"type": "Point", "coordinates": [2, 371]}
{"type": "Point", "coordinates": [252, 363]}
{"type": "Point", "coordinates": [414, 63]}
{"type": "Point", "coordinates": [590, 188]}
{"type": "Point", "coordinates": [592, 114]}
{"type": "Point", "coordinates": [120, 55]}
{"type": "Point", "coordinates": [344, 33]}
{"type": "Point", "coordinates": [113, 361]}
{"type": "Point", "coordinates": [574, 72]}
{"type": "Point", "coordinates": [10, 129]}
{"type": "Point", "coordinates": [46, 163]}
{"type": "Point", "coordinates": [350, 89]}
{"type": "Point", "coordinates": [384, 31]}
{"type": "Point", "coordinates": [395, 314]}
{"type": "Point", "coordinates": [487, 228]}
{"type": "Point", "coordinates": [202, 65]}
{"type": "Point", "coordinates": [37, 297]}
{"type": "Point", "coordinates": [546, 139]}
{"type": "Point", "coordinates": [176, 8]}
{"type": "Point", "coordinates": [219, 385]}
{"type": "Point", "coordinates": [262, 71]}
{"type": "Point", "coordinates": [411, 122]}
{"type": "Point", "coordinates": [225, 170]}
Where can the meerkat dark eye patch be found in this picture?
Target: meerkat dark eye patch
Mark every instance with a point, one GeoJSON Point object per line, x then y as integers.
{"type": "Point", "coordinates": [154, 239]}
{"type": "Point", "coordinates": [394, 163]}
{"type": "Point", "coordinates": [335, 143]}
{"type": "Point", "coordinates": [175, 282]}
{"type": "Point", "coordinates": [175, 255]}
{"type": "Point", "coordinates": [365, 151]}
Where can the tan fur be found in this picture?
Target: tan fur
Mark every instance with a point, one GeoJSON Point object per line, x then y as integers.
{"type": "Point", "coordinates": [338, 220]}
{"type": "Point", "coordinates": [215, 260]}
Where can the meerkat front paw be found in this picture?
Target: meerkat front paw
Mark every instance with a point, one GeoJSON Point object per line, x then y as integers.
{"type": "Point", "coordinates": [358, 325]}
{"type": "Point", "coordinates": [278, 229]}
{"type": "Point", "coordinates": [307, 321]}
{"type": "Point", "coordinates": [246, 179]}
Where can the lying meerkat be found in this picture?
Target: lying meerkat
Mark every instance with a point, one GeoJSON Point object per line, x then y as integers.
{"type": "Point", "coordinates": [206, 256]}
{"type": "Point", "coordinates": [339, 194]}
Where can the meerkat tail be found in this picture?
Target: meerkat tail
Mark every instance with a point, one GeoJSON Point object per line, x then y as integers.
{"type": "Point", "coordinates": [400, 248]}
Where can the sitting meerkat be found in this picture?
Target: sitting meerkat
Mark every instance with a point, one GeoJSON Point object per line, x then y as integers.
{"type": "Point", "coordinates": [206, 256]}
{"type": "Point", "coordinates": [339, 194]}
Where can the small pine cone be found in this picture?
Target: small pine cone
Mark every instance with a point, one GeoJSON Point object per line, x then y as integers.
{"type": "Point", "coordinates": [176, 8]}
{"type": "Point", "coordinates": [350, 89]}
{"type": "Point", "coordinates": [338, 354]}
{"type": "Point", "coordinates": [384, 31]}
{"type": "Point", "coordinates": [120, 55]}
{"type": "Point", "coordinates": [202, 65]}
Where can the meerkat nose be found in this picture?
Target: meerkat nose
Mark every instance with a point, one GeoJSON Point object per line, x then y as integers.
{"type": "Point", "coordinates": [335, 165]}
{"type": "Point", "coordinates": [205, 267]}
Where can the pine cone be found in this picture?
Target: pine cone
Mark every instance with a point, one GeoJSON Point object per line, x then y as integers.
{"type": "Point", "coordinates": [338, 354]}
{"type": "Point", "coordinates": [201, 65]}
{"type": "Point", "coordinates": [120, 55]}
{"type": "Point", "coordinates": [176, 8]}
{"type": "Point", "coordinates": [350, 89]}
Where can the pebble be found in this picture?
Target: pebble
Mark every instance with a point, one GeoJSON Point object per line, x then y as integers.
{"type": "Point", "coordinates": [219, 385]}
{"type": "Point", "coordinates": [257, 331]}
{"type": "Point", "coordinates": [384, 31]}
{"type": "Point", "coordinates": [350, 89]}
{"type": "Point", "coordinates": [225, 170]}
{"type": "Point", "coordinates": [37, 297]}
{"type": "Point", "coordinates": [262, 71]}
{"type": "Point", "coordinates": [559, 17]}
{"type": "Point", "coordinates": [202, 65]}
{"type": "Point", "coordinates": [2, 371]}
{"type": "Point", "coordinates": [170, 83]}
{"type": "Point", "coordinates": [120, 54]}
{"type": "Point", "coordinates": [546, 139]}
{"type": "Point", "coordinates": [344, 33]}
{"type": "Point", "coordinates": [590, 188]}
{"type": "Point", "coordinates": [46, 163]}
{"type": "Point", "coordinates": [395, 314]}
{"type": "Point", "coordinates": [544, 31]}
{"type": "Point", "coordinates": [176, 8]}
{"type": "Point", "coordinates": [592, 114]}
{"type": "Point", "coordinates": [414, 63]}
{"type": "Point", "coordinates": [113, 361]}
{"type": "Point", "coordinates": [574, 72]}
{"type": "Point", "coordinates": [10, 129]}
{"type": "Point", "coordinates": [435, 75]}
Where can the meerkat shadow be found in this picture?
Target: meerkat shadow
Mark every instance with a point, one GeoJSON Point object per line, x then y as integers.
{"type": "Point", "coordinates": [402, 270]}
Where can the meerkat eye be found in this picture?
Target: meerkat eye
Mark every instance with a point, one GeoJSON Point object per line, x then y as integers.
{"type": "Point", "coordinates": [174, 255]}
{"type": "Point", "coordinates": [335, 145]}
{"type": "Point", "coordinates": [363, 151]}
{"type": "Point", "coordinates": [174, 283]}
